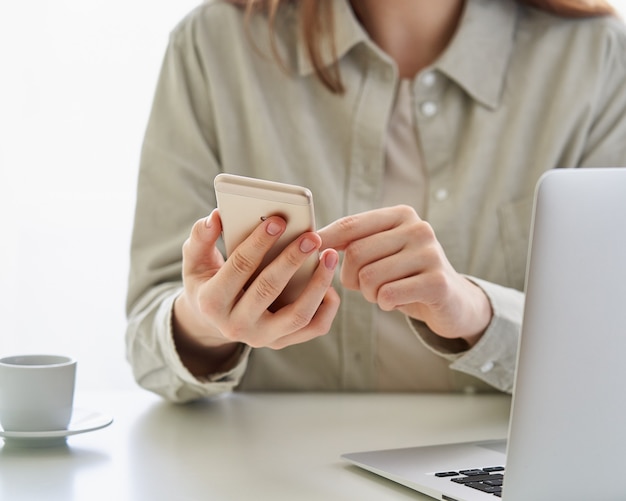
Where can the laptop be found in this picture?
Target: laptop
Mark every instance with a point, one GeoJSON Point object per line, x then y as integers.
{"type": "Point", "coordinates": [567, 431]}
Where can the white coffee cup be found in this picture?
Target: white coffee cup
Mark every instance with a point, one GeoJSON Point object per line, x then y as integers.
{"type": "Point", "coordinates": [36, 392]}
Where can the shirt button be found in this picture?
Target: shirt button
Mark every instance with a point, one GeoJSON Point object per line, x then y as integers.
{"type": "Point", "coordinates": [487, 367]}
{"type": "Point", "coordinates": [441, 194]}
{"type": "Point", "coordinates": [429, 108]}
{"type": "Point", "coordinates": [428, 79]}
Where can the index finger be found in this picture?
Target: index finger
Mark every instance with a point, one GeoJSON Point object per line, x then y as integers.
{"type": "Point", "coordinates": [340, 233]}
{"type": "Point", "coordinates": [244, 261]}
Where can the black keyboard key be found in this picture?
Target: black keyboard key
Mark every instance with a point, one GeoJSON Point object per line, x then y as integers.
{"type": "Point", "coordinates": [447, 474]}
{"type": "Point", "coordinates": [473, 478]}
{"type": "Point", "coordinates": [472, 472]}
{"type": "Point", "coordinates": [485, 488]}
{"type": "Point", "coordinates": [496, 482]}
{"type": "Point", "coordinates": [491, 469]}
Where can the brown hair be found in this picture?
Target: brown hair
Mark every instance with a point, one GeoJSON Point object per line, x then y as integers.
{"type": "Point", "coordinates": [316, 17]}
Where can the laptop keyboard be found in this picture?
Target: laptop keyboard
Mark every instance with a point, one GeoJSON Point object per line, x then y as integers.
{"type": "Point", "coordinates": [488, 479]}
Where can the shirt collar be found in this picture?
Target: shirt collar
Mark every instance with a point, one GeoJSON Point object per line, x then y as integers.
{"type": "Point", "coordinates": [476, 58]}
{"type": "Point", "coordinates": [348, 33]}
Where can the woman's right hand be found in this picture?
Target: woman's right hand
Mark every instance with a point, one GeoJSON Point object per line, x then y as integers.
{"type": "Point", "coordinates": [214, 315]}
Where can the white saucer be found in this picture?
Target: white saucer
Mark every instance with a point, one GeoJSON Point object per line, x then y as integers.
{"type": "Point", "coordinates": [82, 421]}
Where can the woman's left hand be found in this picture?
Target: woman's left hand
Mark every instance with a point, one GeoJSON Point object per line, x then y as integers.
{"type": "Point", "coordinates": [394, 258]}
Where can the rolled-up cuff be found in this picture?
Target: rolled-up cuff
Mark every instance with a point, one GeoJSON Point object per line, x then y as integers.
{"type": "Point", "coordinates": [494, 356]}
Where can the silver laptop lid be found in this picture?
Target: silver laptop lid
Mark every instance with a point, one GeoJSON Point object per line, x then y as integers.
{"type": "Point", "coordinates": [569, 405]}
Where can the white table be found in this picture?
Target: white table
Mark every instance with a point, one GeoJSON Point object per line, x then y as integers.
{"type": "Point", "coordinates": [242, 446]}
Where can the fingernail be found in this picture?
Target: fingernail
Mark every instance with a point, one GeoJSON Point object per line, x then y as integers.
{"type": "Point", "coordinates": [273, 228]}
{"type": "Point", "coordinates": [307, 245]}
{"type": "Point", "coordinates": [208, 222]}
{"type": "Point", "coordinates": [330, 260]}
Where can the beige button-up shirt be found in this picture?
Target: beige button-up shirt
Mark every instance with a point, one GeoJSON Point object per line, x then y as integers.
{"type": "Point", "coordinates": [516, 93]}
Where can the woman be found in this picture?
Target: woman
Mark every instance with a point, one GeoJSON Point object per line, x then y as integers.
{"type": "Point", "coordinates": [421, 128]}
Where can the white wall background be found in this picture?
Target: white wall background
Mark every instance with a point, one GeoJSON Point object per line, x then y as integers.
{"type": "Point", "coordinates": [76, 84]}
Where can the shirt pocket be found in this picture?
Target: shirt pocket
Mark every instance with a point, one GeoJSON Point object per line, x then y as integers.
{"type": "Point", "coordinates": [515, 220]}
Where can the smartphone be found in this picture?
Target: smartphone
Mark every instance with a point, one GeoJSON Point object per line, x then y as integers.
{"type": "Point", "coordinates": [244, 202]}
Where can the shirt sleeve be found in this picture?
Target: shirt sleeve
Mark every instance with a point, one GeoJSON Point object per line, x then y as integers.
{"type": "Point", "coordinates": [155, 361]}
{"type": "Point", "coordinates": [174, 189]}
{"type": "Point", "coordinates": [606, 136]}
{"type": "Point", "coordinates": [493, 358]}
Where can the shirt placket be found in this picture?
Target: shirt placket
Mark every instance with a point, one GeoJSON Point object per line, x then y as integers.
{"type": "Point", "coordinates": [437, 142]}
{"type": "Point", "coordinates": [363, 192]}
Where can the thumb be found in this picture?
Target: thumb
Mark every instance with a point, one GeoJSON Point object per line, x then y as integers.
{"type": "Point", "coordinates": [200, 255]}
